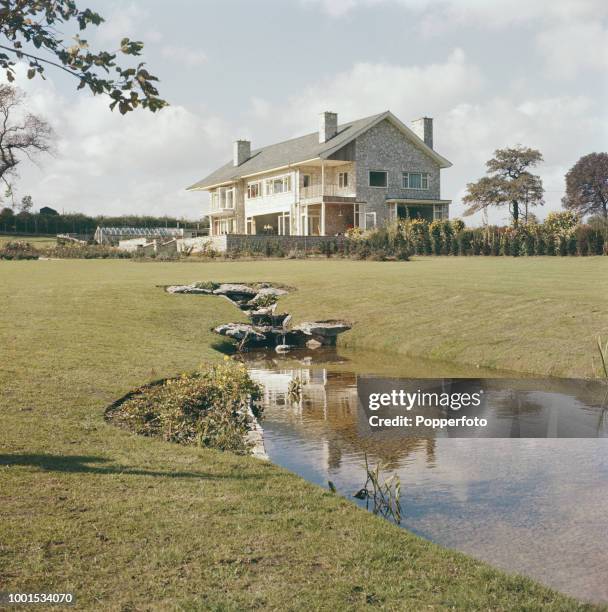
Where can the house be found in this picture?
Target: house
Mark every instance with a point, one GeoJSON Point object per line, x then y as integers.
{"type": "Point", "coordinates": [363, 173]}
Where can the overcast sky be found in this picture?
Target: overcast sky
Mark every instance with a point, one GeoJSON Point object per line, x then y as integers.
{"type": "Point", "coordinates": [492, 73]}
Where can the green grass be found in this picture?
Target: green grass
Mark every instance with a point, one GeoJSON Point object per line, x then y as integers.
{"type": "Point", "coordinates": [40, 242]}
{"type": "Point", "coordinates": [134, 523]}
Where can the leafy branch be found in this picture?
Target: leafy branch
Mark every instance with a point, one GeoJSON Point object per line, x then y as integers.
{"type": "Point", "coordinates": [29, 29]}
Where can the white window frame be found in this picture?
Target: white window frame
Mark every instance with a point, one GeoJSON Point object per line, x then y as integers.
{"type": "Point", "coordinates": [284, 221]}
{"type": "Point", "coordinates": [369, 179]}
{"type": "Point", "coordinates": [441, 212]}
{"type": "Point", "coordinates": [424, 178]}
{"type": "Point", "coordinates": [371, 215]}
{"type": "Point", "coordinates": [226, 226]}
{"type": "Point", "coordinates": [259, 190]}
{"type": "Point", "coordinates": [342, 180]}
{"type": "Point", "coordinates": [284, 180]}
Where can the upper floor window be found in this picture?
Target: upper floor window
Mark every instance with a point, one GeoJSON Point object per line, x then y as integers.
{"type": "Point", "coordinates": [378, 178]}
{"type": "Point", "coordinates": [254, 190]}
{"type": "Point", "coordinates": [342, 179]}
{"type": "Point", "coordinates": [306, 180]}
{"type": "Point", "coordinates": [415, 180]}
{"type": "Point", "coordinates": [279, 184]}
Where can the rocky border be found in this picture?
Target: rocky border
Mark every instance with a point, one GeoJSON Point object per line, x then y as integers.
{"type": "Point", "coordinates": [268, 328]}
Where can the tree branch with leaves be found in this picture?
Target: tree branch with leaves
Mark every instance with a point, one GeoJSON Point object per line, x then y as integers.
{"type": "Point", "coordinates": [30, 32]}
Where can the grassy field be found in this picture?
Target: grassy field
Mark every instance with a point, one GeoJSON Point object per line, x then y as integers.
{"type": "Point", "coordinates": [133, 523]}
{"type": "Point", "coordinates": [38, 241]}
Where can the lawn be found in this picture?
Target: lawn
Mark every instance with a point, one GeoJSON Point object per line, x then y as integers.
{"type": "Point", "coordinates": [40, 242]}
{"type": "Point", "coordinates": [133, 523]}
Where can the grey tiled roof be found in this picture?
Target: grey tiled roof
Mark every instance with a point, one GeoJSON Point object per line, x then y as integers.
{"type": "Point", "coordinates": [296, 150]}
{"type": "Point", "coordinates": [286, 152]}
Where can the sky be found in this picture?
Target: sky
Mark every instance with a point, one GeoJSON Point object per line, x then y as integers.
{"type": "Point", "coordinates": [492, 73]}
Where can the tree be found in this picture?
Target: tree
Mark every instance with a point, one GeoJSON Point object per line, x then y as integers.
{"type": "Point", "coordinates": [30, 31]}
{"type": "Point", "coordinates": [587, 186]}
{"type": "Point", "coordinates": [7, 217]}
{"type": "Point", "coordinates": [22, 134]}
{"type": "Point", "coordinates": [27, 203]}
{"type": "Point", "coordinates": [509, 182]}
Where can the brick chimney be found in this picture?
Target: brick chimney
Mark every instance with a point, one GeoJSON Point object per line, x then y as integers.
{"type": "Point", "coordinates": [328, 126]}
{"type": "Point", "coordinates": [242, 151]}
{"type": "Point", "coordinates": [423, 128]}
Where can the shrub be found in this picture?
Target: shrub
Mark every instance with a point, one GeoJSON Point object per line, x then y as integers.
{"type": "Point", "coordinates": [88, 251]}
{"type": "Point", "coordinates": [436, 239]}
{"type": "Point", "coordinates": [18, 249]}
{"type": "Point", "coordinates": [206, 408]}
{"type": "Point", "coordinates": [540, 245]}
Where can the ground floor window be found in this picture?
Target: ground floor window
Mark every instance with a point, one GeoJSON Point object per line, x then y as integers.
{"type": "Point", "coordinates": [441, 212]}
{"type": "Point", "coordinates": [423, 211]}
{"type": "Point", "coordinates": [250, 226]}
{"type": "Point", "coordinates": [223, 226]}
{"type": "Point", "coordinates": [284, 224]}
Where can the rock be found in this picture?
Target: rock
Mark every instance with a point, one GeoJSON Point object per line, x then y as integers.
{"type": "Point", "coordinates": [240, 331]}
{"type": "Point", "coordinates": [272, 291]}
{"type": "Point", "coordinates": [264, 311]}
{"type": "Point", "coordinates": [313, 344]}
{"type": "Point", "coordinates": [231, 289]}
{"type": "Point", "coordinates": [322, 328]}
{"type": "Point", "coordinates": [282, 348]}
{"type": "Point", "coordinates": [270, 319]}
{"type": "Point", "coordinates": [191, 289]}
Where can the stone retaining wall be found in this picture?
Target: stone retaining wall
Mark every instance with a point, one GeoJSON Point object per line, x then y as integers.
{"type": "Point", "coordinates": [257, 243]}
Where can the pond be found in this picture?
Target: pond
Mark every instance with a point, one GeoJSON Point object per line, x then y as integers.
{"type": "Point", "coordinates": [535, 506]}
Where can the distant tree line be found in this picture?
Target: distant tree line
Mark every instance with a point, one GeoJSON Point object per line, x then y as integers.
{"type": "Point", "coordinates": [49, 221]}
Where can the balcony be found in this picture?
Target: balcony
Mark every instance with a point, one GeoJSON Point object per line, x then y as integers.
{"type": "Point", "coordinates": [326, 193]}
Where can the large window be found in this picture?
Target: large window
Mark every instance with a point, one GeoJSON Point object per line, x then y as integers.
{"type": "Point", "coordinates": [415, 180]}
{"type": "Point", "coordinates": [279, 184]}
{"type": "Point", "coordinates": [378, 178]}
{"type": "Point", "coordinates": [342, 179]}
{"type": "Point", "coordinates": [254, 190]}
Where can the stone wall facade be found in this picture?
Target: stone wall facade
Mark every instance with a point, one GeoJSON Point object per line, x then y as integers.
{"type": "Point", "coordinates": [384, 147]}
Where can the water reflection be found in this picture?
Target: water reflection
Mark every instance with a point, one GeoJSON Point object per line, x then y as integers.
{"type": "Point", "coordinates": [533, 506]}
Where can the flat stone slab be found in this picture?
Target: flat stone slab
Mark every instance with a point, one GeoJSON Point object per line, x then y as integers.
{"type": "Point", "coordinates": [191, 289]}
{"type": "Point", "coordinates": [234, 289]}
{"type": "Point", "coordinates": [239, 331]}
{"type": "Point", "coordinates": [322, 328]}
{"type": "Point", "coordinates": [272, 291]}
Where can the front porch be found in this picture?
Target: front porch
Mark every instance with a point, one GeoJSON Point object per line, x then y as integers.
{"type": "Point", "coordinates": [331, 218]}
{"type": "Point", "coordinates": [428, 210]}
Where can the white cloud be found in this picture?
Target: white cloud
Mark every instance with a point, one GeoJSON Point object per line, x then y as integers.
{"type": "Point", "coordinates": [496, 13]}
{"type": "Point", "coordinates": [124, 20]}
{"type": "Point", "coordinates": [106, 163]}
{"type": "Point", "coordinates": [184, 55]}
{"type": "Point", "coordinates": [570, 48]}
{"type": "Point", "coordinates": [367, 88]}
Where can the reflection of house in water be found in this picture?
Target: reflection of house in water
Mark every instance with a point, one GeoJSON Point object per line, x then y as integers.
{"type": "Point", "coordinates": [328, 410]}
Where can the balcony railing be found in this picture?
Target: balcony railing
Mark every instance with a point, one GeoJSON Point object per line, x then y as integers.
{"type": "Point", "coordinates": [317, 191]}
